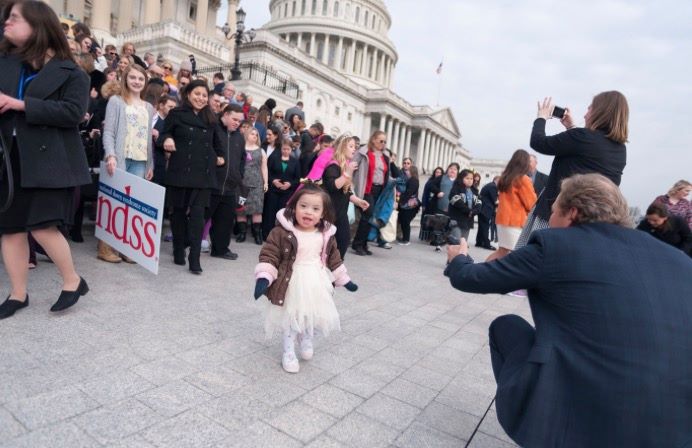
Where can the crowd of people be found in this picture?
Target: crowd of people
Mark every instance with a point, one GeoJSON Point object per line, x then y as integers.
{"type": "Point", "coordinates": [229, 167]}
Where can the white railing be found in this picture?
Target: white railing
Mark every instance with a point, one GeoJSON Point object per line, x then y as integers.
{"type": "Point", "coordinates": [176, 31]}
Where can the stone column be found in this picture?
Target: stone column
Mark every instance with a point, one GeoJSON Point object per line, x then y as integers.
{"type": "Point", "coordinates": [339, 53]}
{"type": "Point", "coordinates": [387, 71]}
{"type": "Point", "coordinates": [381, 68]}
{"type": "Point", "coordinates": [427, 149]}
{"type": "Point", "coordinates": [325, 49]}
{"type": "Point", "coordinates": [407, 142]}
{"type": "Point", "coordinates": [367, 128]}
{"type": "Point", "coordinates": [361, 69]}
{"type": "Point", "coordinates": [351, 58]}
{"type": "Point", "coordinates": [125, 16]}
{"type": "Point", "coordinates": [202, 13]}
{"type": "Point", "coordinates": [152, 11]}
{"type": "Point", "coordinates": [421, 149]}
{"type": "Point", "coordinates": [313, 47]}
{"type": "Point", "coordinates": [373, 63]}
{"type": "Point", "coordinates": [389, 122]}
{"type": "Point", "coordinates": [393, 143]}
{"type": "Point", "coordinates": [439, 161]}
{"type": "Point", "coordinates": [299, 42]}
{"type": "Point", "coordinates": [101, 17]}
{"type": "Point", "coordinates": [435, 152]}
{"type": "Point", "coordinates": [168, 13]}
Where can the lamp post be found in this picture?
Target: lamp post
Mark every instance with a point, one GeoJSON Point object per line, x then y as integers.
{"type": "Point", "coordinates": [240, 36]}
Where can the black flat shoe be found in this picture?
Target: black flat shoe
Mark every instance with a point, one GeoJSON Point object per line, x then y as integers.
{"type": "Point", "coordinates": [69, 298]}
{"type": "Point", "coordinates": [196, 271]}
{"type": "Point", "coordinates": [9, 307]}
{"type": "Point", "coordinates": [227, 256]}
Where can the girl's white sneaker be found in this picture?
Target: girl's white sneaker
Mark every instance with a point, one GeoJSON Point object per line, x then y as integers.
{"type": "Point", "coordinates": [290, 363]}
{"type": "Point", "coordinates": [306, 348]}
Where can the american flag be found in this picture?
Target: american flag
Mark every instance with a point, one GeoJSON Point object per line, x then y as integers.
{"type": "Point", "coordinates": [439, 69]}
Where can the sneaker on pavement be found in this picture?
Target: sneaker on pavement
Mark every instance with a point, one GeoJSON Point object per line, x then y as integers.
{"type": "Point", "coordinates": [403, 243]}
{"type": "Point", "coordinates": [290, 363]}
{"type": "Point", "coordinates": [206, 246]}
{"type": "Point", "coordinates": [384, 245]}
{"type": "Point", "coordinates": [306, 348]}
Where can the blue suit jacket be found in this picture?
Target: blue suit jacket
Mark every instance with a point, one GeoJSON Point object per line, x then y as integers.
{"type": "Point", "coordinates": [612, 361]}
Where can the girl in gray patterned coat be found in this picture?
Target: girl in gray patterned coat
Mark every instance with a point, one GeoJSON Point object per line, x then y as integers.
{"type": "Point", "coordinates": [299, 264]}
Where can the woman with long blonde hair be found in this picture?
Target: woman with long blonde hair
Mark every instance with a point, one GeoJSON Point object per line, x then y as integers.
{"type": "Point", "coordinates": [127, 136]}
{"type": "Point", "coordinates": [337, 181]}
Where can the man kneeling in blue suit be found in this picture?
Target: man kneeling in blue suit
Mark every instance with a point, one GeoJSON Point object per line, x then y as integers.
{"type": "Point", "coordinates": [609, 363]}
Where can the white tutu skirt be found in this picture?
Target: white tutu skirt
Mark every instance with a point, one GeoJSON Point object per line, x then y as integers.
{"type": "Point", "coordinates": [308, 305]}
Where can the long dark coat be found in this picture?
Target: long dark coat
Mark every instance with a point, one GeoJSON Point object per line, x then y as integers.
{"type": "Point", "coordinates": [51, 154]}
{"type": "Point", "coordinates": [193, 163]}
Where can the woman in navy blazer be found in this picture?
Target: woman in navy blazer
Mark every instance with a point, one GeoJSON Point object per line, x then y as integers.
{"type": "Point", "coordinates": [43, 98]}
{"type": "Point", "coordinates": [609, 363]}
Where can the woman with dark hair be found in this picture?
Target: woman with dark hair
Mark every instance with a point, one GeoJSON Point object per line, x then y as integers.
{"type": "Point", "coordinates": [440, 188]}
{"type": "Point", "coordinates": [598, 147]}
{"type": "Point", "coordinates": [284, 176]}
{"type": "Point", "coordinates": [188, 136]}
{"type": "Point", "coordinates": [408, 201]}
{"type": "Point", "coordinates": [464, 202]}
{"type": "Point", "coordinates": [667, 227]}
{"type": "Point", "coordinates": [516, 198]}
{"type": "Point", "coordinates": [43, 98]}
{"type": "Point", "coordinates": [273, 140]}
{"type": "Point", "coordinates": [425, 202]}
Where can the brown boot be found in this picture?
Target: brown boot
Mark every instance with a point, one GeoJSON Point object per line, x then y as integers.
{"type": "Point", "coordinates": [106, 253]}
{"type": "Point", "coordinates": [125, 258]}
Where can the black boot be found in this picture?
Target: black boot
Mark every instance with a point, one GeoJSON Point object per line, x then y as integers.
{"type": "Point", "coordinates": [257, 233]}
{"type": "Point", "coordinates": [242, 232]}
{"type": "Point", "coordinates": [194, 234]}
{"type": "Point", "coordinates": [178, 228]}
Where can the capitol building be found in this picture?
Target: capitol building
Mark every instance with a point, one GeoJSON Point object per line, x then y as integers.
{"type": "Point", "coordinates": [333, 55]}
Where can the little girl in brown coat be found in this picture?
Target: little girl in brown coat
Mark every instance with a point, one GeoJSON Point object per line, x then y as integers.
{"type": "Point", "coordinates": [298, 269]}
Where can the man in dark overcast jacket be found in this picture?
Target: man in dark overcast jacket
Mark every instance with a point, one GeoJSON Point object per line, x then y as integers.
{"type": "Point", "coordinates": [609, 363]}
{"type": "Point", "coordinates": [224, 199]}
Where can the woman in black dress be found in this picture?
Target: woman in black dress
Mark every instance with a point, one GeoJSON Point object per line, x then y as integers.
{"type": "Point", "coordinates": [188, 136]}
{"type": "Point", "coordinates": [44, 98]}
{"type": "Point", "coordinates": [284, 176]}
{"type": "Point", "coordinates": [337, 181]}
{"type": "Point", "coordinates": [409, 204]}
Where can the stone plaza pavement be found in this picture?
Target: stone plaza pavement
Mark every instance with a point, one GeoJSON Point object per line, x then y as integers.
{"type": "Point", "coordinates": [177, 360]}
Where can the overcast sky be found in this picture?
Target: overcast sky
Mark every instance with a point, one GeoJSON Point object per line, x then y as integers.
{"type": "Point", "coordinates": [500, 57]}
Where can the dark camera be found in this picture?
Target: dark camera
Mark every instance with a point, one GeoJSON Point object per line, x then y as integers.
{"type": "Point", "coordinates": [193, 63]}
{"type": "Point", "coordinates": [558, 112]}
{"type": "Point", "coordinates": [454, 236]}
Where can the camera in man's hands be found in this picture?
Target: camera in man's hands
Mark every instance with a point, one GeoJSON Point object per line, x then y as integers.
{"type": "Point", "coordinates": [454, 235]}
{"type": "Point", "coordinates": [558, 112]}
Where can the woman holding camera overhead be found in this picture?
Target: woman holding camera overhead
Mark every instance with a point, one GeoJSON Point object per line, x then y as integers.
{"type": "Point", "coordinates": [598, 147]}
{"type": "Point", "coordinates": [44, 98]}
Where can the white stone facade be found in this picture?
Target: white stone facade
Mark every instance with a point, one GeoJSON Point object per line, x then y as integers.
{"type": "Point", "coordinates": [336, 53]}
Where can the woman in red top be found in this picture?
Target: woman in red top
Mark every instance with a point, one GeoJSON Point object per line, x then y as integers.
{"type": "Point", "coordinates": [516, 198]}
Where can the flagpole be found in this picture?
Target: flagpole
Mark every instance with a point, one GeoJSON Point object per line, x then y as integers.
{"type": "Point", "coordinates": [439, 82]}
